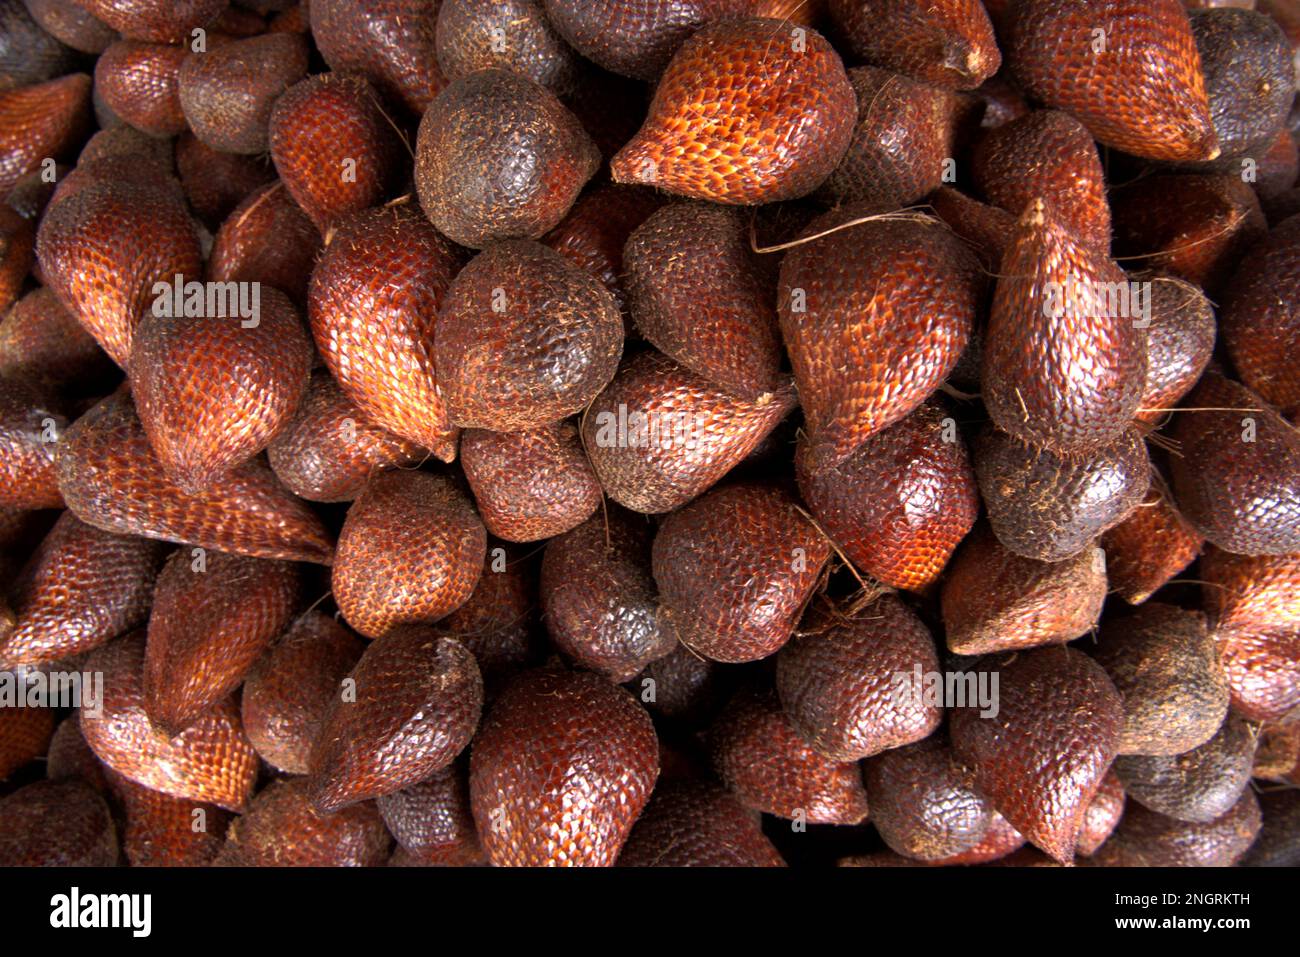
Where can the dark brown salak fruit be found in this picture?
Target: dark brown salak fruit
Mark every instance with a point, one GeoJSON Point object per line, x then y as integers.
{"type": "Point", "coordinates": [1260, 318]}
{"type": "Point", "coordinates": [210, 761]}
{"type": "Point", "coordinates": [227, 92]}
{"type": "Point", "coordinates": [735, 569]}
{"type": "Point", "coordinates": [69, 756]}
{"type": "Point", "coordinates": [214, 182]}
{"type": "Point", "coordinates": [1103, 815]}
{"type": "Point", "coordinates": [840, 686]}
{"type": "Point", "coordinates": [985, 228]}
{"type": "Point", "coordinates": [31, 428]}
{"type": "Point", "coordinates": [499, 157]}
{"type": "Point", "coordinates": [213, 616]}
{"type": "Point", "coordinates": [431, 820]}
{"type": "Point", "coordinates": [267, 238]}
{"type": "Point", "coordinates": [1164, 663]}
{"type": "Point", "coordinates": [1199, 785]}
{"type": "Point", "coordinates": [498, 624]}
{"type": "Point", "coordinates": [46, 120]}
{"type": "Point", "coordinates": [30, 54]}
{"type": "Point", "coordinates": [1180, 343]}
{"type": "Point", "coordinates": [1046, 153]}
{"type": "Point", "coordinates": [698, 294]}
{"type": "Point", "coordinates": [1288, 18]}
{"type": "Point", "coordinates": [374, 325]}
{"type": "Point", "coordinates": [1277, 165]}
{"type": "Point", "coordinates": [166, 831]}
{"type": "Point", "coordinates": [1146, 838]}
{"type": "Point", "coordinates": [334, 147]}
{"type": "Point", "coordinates": [1277, 752]}
{"type": "Point", "coordinates": [111, 479]}
{"type": "Point", "coordinates": [103, 249]}
{"type": "Point", "coordinates": [1263, 668]}
{"type": "Point", "coordinates": [330, 450]}
{"type": "Point", "coordinates": [598, 595]}
{"type": "Point", "coordinates": [512, 35]}
{"type": "Point", "coordinates": [1237, 479]}
{"type": "Point", "coordinates": [659, 435]}
{"type": "Point", "coordinates": [901, 503]}
{"type": "Point", "coordinates": [121, 154]}
{"type": "Point", "coordinates": [1052, 507]}
{"type": "Point", "coordinates": [390, 42]}
{"type": "Point", "coordinates": [33, 191]}
{"type": "Point", "coordinates": [1064, 362]}
{"type": "Point", "coordinates": [24, 736]}
{"type": "Point", "coordinates": [681, 686]}
{"type": "Point", "coordinates": [1149, 548]}
{"type": "Point", "coordinates": [139, 82]}
{"type": "Point", "coordinates": [768, 767]}
{"type": "Point", "coordinates": [410, 552]}
{"type": "Point", "coordinates": [1278, 844]}
{"type": "Point", "coordinates": [1250, 592]}
{"type": "Point", "coordinates": [749, 111]}
{"type": "Point", "coordinates": [290, 687]}
{"type": "Point", "coordinates": [80, 589]}
{"type": "Point", "coordinates": [56, 824]}
{"type": "Point", "coordinates": [950, 43]}
{"type": "Point", "coordinates": [162, 21]}
{"type": "Point", "coordinates": [995, 600]}
{"type": "Point", "coordinates": [1128, 69]}
{"type": "Point", "coordinates": [407, 709]}
{"type": "Point", "coordinates": [696, 823]}
{"type": "Point", "coordinates": [17, 254]}
{"type": "Point", "coordinates": [923, 802]}
{"type": "Point", "coordinates": [238, 22]}
{"type": "Point", "coordinates": [283, 828]}
{"type": "Point", "coordinates": [524, 339]}
{"type": "Point", "coordinates": [560, 770]}
{"type": "Point", "coordinates": [1041, 760]}
{"type": "Point", "coordinates": [72, 24]}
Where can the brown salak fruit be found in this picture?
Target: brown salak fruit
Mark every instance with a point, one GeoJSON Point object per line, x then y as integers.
{"type": "Point", "coordinates": [949, 43]}
{"type": "Point", "coordinates": [901, 503]}
{"type": "Point", "coordinates": [512, 35]}
{"type": "Point", "coordinates": [768, 767]}
{"type": "Point", "coordinates": [681, 686]}
{"type": "Point", "coordinates": [335, 149]}
{"type": "Point", "coordinates": [995, 600]}
{"type": "Point", "coordinates": [330, 450]}
{"type": "Point", "coordinates": [413, 706]}
{"type": "Point", "coordinates": [31, 428]}
{"type": "Point", "coordinates": [1278, 844]}
{"type": "Point", "coordinates": [839, 686]}
{"type": "Point", "coordinates": [1263, 668]}
{"type": "Point", "coordinates": [1164, 663]}
{"type": "Point", "coordinates": [1103, 815]}
{"type": "Point", "coordinates": [524, 339]}
{"type": "Point", "coordinates": [923, 802]}
{"type": "Point", "coordinates": [227, 93]}
{"type": "Point", "coordinates": [598, 595]}
{"type": "Point", "coordinates": [373, 305]}
{"type": "Point", "coordinates": [80, 589]}
{"type": "Point", "coordinates": [1260, 317]}
{"type": "Point", "coordinates": [660, 435]}
{"type": "Point", "coordinates": [213, 616]}
{"type": "Point", "coordinates": [1064, 362]}
{"type": "Point", "coordinates": [696, 823]}
{"type": "Point", "coordinates": [530, 485]}
{"type": "Point", "coordinates": [17, 246]}
{"type": "Point", "coordinates": [104, 248]}
{"type": "Point", "coordinates": [1127, 68]}
{"type": "Point", "coordinates": [210, 761]}
{"type": "Point", "coordinates": [139, 82]}
{"type": "Point", "coordinates": [213, 390]}
{"type": "Point", "coordinates": [162, 21]}
{"type": "Point", "coordinates": [166, 831]}
{"type": "Point", "coordinates": [499, 157]}
{"type": "Point", "coordinates": [1146, 838]}
{"type": "Point", "coordinates": [1237, 479]}
{"type": "Point", "coordinates": [1180, 343]}
{"type": "Point", "coordinates": [390, 42]}
{"type": "Point", "coordinates": [1199, 785]}
{"type": "Point", "coordinates": [499, 622]}
{"type": "Point", "coordinates": [43, 121]}
{"type": "Point", "coordinates": [1149, 548]}
{"type": "Point", "coordinates": [56, 824]}
{"type": "Point", "coordinates": [290, 687]}
{"type": "Point", "coordinates": [24, 736]}
{"type": "Point", "coordinates": [698, 294]}
{"type": "Point", "coordinates": [70, 757]}
{"type": "Point", "coordinates": [1250, 592]}
{"type": "Point", "coordinates": [874, 317]}
{"type": "Point", "coordinates": [735, 569]}
{"type": "Point", "coordinates": [72, 24]}
{"type": "Point", "coordinates": [111, 479]}
{"type": "Point", "coordinates": [214, 182]}
{"type": "Point", "coordinates": [749, 111]}
{"type": "Point", "coordinates": [283, 828]}
{"type": "Point", "coordinates": [1041, 760]}
{"type": "Point", "coordinates": [122, 154]}
{"type": "Point", "coordinates": [30, 53]}
{"type": "Point", "coordinates": [267, 238]}
{"type": "Point", "coordinates": [560, 770]}
{"type": "Point", "coordinates": [1277, 753]}
{"type": "Point", "coordinates": [410, 552]}
{"type": "Point", "coordinates": [984, 227]}
{"type": "Point", "coordinates": [432, 821]}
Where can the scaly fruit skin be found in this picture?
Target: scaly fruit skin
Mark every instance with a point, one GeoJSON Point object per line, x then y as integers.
{"type": "Point", "coordinates": [56, 824]}
{"type": "Point", "coordinates": [1145, 838]}
{"type": "Point", "coordinates": [499, 622]}
{"type": "Point", "coordinates": [72, 24]}
{"type": "Point", "coordinates": [749, 111]}
{"type": "Point", "coordinates": [374, 325]}
{"type": "Point", "coordinates": [17, 254]}
{"type": "Point", "coordinates": [1243, 591]}
{"type": "Point", "coordinates": [42, 342]}
{"type": "Point", "coordinates": [31, 428]}
{"type": "Point", "coordinates": [111, 479]}
{"type": "Point", "coordinates": [69, 756]}
{"type": "Point", "coordinates": [735, 569]}
{"type": "Point", "coordinates": [1063, 365]}
{"type": "Point", "coordinates": [696, 823]}
{"type": "Point", "coordinates": [1180, 343]}
{"type": "Point", "coordinates": [1041, 760]}
{"type": "Point", "coordinates": [950, 43]}
{"type": "Point", "coordinates": [415, 705]}
{"type": "Point", "coordinates": [1128, 69]}
{"type": "Point", "coordinates": [166, 831]}
{"type": "Point", "coordinates": [432, 821]}
{"type": "Point", "coordinates": [560, 771]}
{"type": "Point", "coordinates": [839, 686]}
{"type": "Point", "coordinates": [162, 21]}
{"type": "Point", "coordinates": [1103, 815]}
{"type": "Point", "coordinates": [139, 82]}
{"type": "Point", "coordinates": [874, 317]}
{"type": "Point", "coordinates": [985, 227]}
{"type": "Point", "coordinates": [1263, 667]}
{"type": "Point", "coordinates": [512, 35]}
{"type": "Point", "coordinates": [1148, 548]}
{"type": "Point", "coordinates": [267, 238]}
{"type": "Point", "coordinates": [499, 157]}
{"type": "Point", "coordinates": [30, 54]}
{"type": "Point", "coordinates": [685, 686]}
{"type": "Point", "coordinates": [24, 736]}
{"type": "Point", "coordinates": [410, 552]}
{"type": "Point", "coordinates": [1278, 844]}
{"type": "Point", "coordinates": [660, 435]}
{"type": "Point", "coordinates": [214, 182]}
{"type": "Point", "coordinates": [47, 119]}
{"type": "Point", "coordinates": [902, 502]}
{"type": "Point", "coordinates": [210, 761]}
